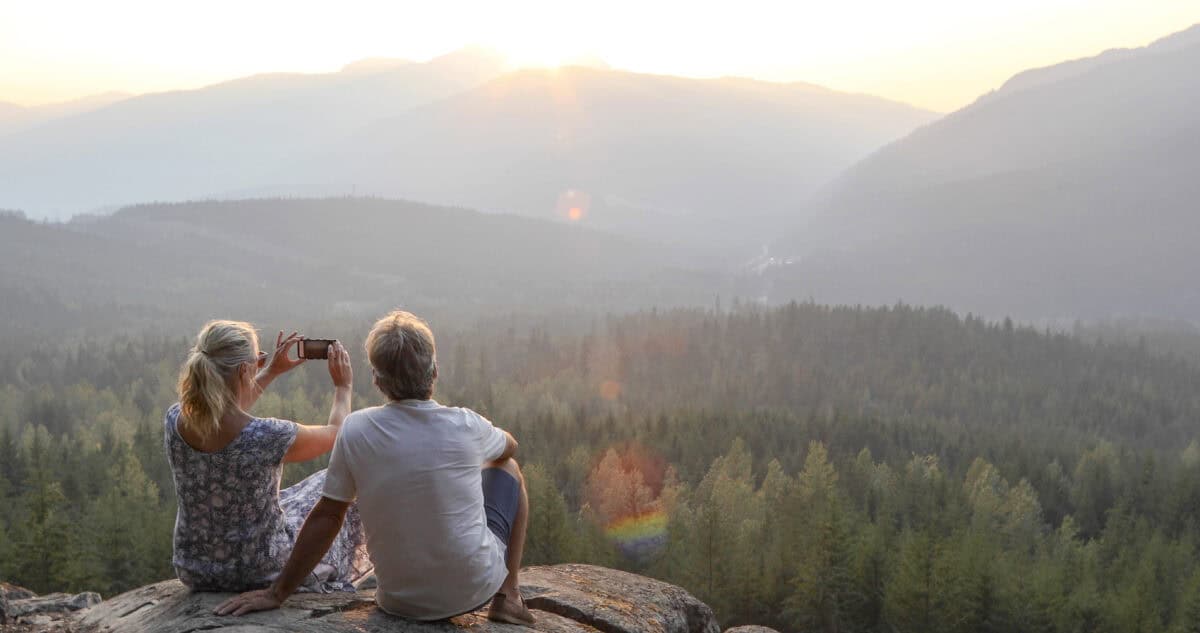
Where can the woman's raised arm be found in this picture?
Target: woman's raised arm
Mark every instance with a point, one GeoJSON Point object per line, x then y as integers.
{"type": "Point", "coordinates": [314, 441]}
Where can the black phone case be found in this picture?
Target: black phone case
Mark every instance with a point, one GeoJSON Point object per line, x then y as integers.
{"type": "Point", "coordinates": [323, 352]}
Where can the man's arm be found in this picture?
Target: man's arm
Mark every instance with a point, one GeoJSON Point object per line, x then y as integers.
{"type": "Point", "coordinates": [317, 534]}
{"type": "Point", "coordinates": [510, 447]}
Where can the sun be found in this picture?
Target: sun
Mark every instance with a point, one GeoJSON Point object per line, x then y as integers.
{"type": "Point", "coordinates": [542, 50]}
{"type": "Point", "coordinates": [534, 58]}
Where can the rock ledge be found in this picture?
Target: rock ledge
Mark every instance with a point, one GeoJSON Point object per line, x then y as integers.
{"type": "Point", "coordinates": [24, 609]}
{"type": "Point", "coordinates": [565, 599]}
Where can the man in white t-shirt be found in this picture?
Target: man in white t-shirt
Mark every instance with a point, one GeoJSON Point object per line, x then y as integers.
{"type": "Point", "coordinates": [442, 500]}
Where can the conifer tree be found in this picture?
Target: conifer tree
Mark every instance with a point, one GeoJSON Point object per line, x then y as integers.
{"type": "Point", "coordinates": [7, 555]}
{"type": "Point", "coordinates": [822, 589]}
{"type": "Point", "coordinates": [1187, 619]}
{"type": "Point", "coordinates": [915, 591]}
{"type": "Point", "coordinates": [1094, 492]}
{"type": "Point", "coordinates": [42, 538]}
{"type": "Point", "coordinates": [780, 513]}
{"type": "Point", "coordinates": [10, 465]}
{"type": "Point", "coordinates": [870, 561]}
{"type": "Point", "coordinates": [723, 531]}
{"type": "Point", "coordinates": [551, 535]}
{"type": "Point", "coordinates": [126, 533]}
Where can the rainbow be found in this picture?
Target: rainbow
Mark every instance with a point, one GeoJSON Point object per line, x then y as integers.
{"type": "Point", "coordinates": [641, 536]}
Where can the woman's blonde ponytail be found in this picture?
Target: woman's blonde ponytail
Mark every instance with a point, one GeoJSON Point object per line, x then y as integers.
{"type": "Point", "coordinates": [206, 389]}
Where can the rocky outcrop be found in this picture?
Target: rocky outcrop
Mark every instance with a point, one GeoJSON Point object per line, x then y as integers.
{"type": "Point", "coordinates": [565, 599]}
{"type": "Point", "coordinates": [751, 628]}
{"type": "Point", "coordinates": [21, 607]}
{"type": "Point", "coordinates": [13, 592]}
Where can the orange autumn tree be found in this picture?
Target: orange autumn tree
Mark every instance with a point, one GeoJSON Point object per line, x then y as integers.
{"type": "Point", "coordinates": [619, 498]}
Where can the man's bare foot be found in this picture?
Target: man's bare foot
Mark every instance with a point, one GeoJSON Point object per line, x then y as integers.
{"type": "Point", "coordinates": [510, 610]}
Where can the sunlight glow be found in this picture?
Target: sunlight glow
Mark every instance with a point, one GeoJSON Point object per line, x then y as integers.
{"type": "Point", "coordinates": [531, 52]}
{"type": "Point", "coordinates": [939, 54]}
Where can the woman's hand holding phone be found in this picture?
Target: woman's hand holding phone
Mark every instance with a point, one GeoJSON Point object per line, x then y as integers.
{"type": "Point", "coordinates": [281, 361]}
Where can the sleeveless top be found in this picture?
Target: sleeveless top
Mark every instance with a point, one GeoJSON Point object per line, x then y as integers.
{"type": "Point", "coordinates": [230, 530]}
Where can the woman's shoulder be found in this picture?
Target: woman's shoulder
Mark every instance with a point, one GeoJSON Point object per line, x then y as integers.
{"type": "Point", "coordinates": [274, 433]}
{"type": "Point", "coordinates": [273, 425]}
{"type": "Point", "coordinates": [171, 417]}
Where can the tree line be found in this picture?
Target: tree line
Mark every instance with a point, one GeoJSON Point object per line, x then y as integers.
{"type": "Point", "coordinates": [808, 467]}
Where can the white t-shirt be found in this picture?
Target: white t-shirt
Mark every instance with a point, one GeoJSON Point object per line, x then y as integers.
{"type": "Point", "coordinates": [414, 466]}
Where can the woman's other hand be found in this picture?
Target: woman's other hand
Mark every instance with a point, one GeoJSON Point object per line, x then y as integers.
{"type": "Point", "coordinates": [282, 361]}
{"type": "Point", "coordinates": [249, 602]}
{"type": "Point", "coordinates": [340, 370]}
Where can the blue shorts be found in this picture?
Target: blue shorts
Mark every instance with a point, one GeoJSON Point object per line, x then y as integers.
{"type": "Point", "coordinates": [501, 497]}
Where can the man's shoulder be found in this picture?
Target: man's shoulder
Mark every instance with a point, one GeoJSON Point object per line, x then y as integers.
{"type": "Point", "coordinates": [369, 412]}
{"type": "Point", "coordinates": [459, 410]}
{"type": "Point", "coordinates": [370, 417]}
{"type": "Point", "coordinates": [450, 411]}
{"type": "Point", "coordinates": [464, 416]}
{"type": "Point", "coordinates": [360, 420]}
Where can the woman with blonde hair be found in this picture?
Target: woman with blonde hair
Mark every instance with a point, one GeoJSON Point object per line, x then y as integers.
{"type": "Point", "coordinates": [235, 528]}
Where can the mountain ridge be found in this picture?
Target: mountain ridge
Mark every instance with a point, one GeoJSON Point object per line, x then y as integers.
{"type": "Point", "coordinates": [14, 118]}
{"type": "Point", "coordinates": [1056, 72]}
{"type": "Point", "coordinates": [719, 152]}
{"type": "Point", "coordinates": [1069, 196]}
{"type": "Point", "coordinates": [254, 135]}
{"type": "Point", "coordinates": [188, 144]}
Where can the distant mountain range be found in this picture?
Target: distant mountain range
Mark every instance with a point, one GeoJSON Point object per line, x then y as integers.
{"type": "Point", "coordinates": [1071, 191]}
{"type": "Point", "coordinates": [160, 265]}
{"type": "Point", "coordinates": [14, 118]}
{"type": "Point", "coordinates": [666, 158]}
{"type": "Point", "coordinates": [190, 144]}
{"type": "Point", "coordinates": [662, 158]}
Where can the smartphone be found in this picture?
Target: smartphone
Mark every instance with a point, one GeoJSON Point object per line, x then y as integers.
{"type": "Point", "coordinates": [315, 347]}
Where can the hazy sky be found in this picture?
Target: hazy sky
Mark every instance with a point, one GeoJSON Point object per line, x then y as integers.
{"type": "Point", "coordinates": [939, 54]}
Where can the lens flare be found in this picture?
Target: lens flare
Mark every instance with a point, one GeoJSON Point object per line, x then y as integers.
{"type": "Point", "coordinates": [572, 205]}
{"type": "Point", "coordinates": [610, 390]}
{"type": "Point", "coordinates": [639, 537]}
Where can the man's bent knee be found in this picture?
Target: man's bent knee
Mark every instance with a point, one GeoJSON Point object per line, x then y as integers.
{"type": "Point", "coordinates": [509, 466]}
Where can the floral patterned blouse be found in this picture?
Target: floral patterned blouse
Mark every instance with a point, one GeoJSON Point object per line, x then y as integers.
{"type": "Point", "coordinates": [234, 528]}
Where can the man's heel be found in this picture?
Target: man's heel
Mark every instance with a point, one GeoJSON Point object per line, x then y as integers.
{"type": "Point", "coordinates": [509, 611]}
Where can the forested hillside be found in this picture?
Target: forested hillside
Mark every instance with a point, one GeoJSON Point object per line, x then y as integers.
{"type": "Point", "coordinates": [814, 468]}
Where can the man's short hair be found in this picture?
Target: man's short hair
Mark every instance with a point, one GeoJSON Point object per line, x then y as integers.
{"type": "Point", "coordinates": [403, 355]}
